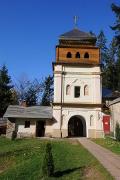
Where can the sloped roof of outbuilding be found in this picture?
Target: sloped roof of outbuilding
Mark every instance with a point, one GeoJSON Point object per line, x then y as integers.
{"type": "Point", "coordinates": [36, 112]}
{"type": "Point", "coordinates": [76, 34]}
{"type": "Point", "coordinates": [117, 100]}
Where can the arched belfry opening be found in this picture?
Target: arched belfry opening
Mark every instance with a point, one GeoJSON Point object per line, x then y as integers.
{"type": "Point", "coordinates": [76, 127]}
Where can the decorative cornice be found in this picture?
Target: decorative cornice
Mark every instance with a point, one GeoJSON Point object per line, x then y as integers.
{"type": "Point", "coordinates": [78, 73]}
{"type": "Point", "coordinates": [78, 105]}
{"type": "Point", "coordinates": [72, 64]}
{"type": "Point", "coordinates": [77, 46]}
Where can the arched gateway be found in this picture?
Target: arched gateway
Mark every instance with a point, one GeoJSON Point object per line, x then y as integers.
{"type": "Point", "coordinates": [77, 127]}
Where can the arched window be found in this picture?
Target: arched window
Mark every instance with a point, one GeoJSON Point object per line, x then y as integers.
{"type": "Point", "coordinates": [91, 120]}
{"type": "Point", "coordinates": [77, 55]}
{"type": "Point", "coordinates": [86, 55]}
{"type": "Point", "coordinates": [69, 55]}
{"type": "Point", "coordinates": [86, 90]}
{"type": "Point", "coordinates": [68, 90]}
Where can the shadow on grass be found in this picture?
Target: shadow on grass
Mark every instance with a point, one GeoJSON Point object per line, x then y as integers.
{"type": "Point", "coordinates": [67, 171]}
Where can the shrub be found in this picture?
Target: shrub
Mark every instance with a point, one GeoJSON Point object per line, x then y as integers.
{"type": "Point", "coordinates": [48, 163]}
{"type": "Point", "coordinates": [117, 131]}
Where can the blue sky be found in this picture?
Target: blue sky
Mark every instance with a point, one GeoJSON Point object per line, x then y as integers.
{"type": "Point", "coordinates": [29, 30]}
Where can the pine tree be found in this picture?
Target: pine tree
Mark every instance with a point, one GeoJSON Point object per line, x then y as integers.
{"type": "Point", "coordinates": [5, 90]}
{"type": "Point", "coordinates": [31, 96]}
{"type": "Point", "coordinates": [118, 70]}
{"type": "Point", "coordinates": [116, 27]}
{"type": "Point", "coordinates": [48, 163]}
{"type": "Point", "coordinates": [111, 80]}
{"type": "Point", "coordinates": [101, 43]}
{"type": "Point", "coordinates": [47, 91]}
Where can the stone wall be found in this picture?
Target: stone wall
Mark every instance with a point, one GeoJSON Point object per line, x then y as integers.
{"type": "Point", "coordinates": [10, 131]}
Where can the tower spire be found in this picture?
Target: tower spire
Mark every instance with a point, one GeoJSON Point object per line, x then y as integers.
{"type": "Point", "coordinates": [75, 21]}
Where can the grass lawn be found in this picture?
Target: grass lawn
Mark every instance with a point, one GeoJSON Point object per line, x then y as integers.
{"type": "Point", "coordinates": [22, 159]}
{"type": "Point", "coordinates": [109, 143]}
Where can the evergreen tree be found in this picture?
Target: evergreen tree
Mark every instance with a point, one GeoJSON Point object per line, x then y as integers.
{"type": "Point", "coordinates": [48, 163]}
{"type": "Point", "coordinates": [101, 43]}
{"type": "Point", "coordinates": [47, 91]}
{"type": "Point", "coordinates": [5, 90]}
{"type": "Point", "coordinates": [118, 70]}
{"type": "Point", "coordinates": [116, 27]}
{"type": "Point", "coordinates": [31, 95]}
{"type": "Point", "coordinates": [110, 68]}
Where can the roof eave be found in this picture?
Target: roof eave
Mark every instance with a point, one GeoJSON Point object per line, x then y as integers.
{"type": "Point", "coordinates": [77, 38]}
{"type": "Point", "coordinates": [27, 117]}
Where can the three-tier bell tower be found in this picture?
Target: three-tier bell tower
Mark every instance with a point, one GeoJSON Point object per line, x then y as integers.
{"type": "Point", "coordinates": [77, 86]}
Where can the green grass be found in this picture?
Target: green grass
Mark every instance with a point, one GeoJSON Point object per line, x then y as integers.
{"type": "Point", "coordinates": [22, 159]}
{"type": "Point", "coordinates": [109, 143]}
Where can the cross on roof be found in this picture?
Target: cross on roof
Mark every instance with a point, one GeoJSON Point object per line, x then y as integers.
{"type": "Point", "coordinates": [75, 21]}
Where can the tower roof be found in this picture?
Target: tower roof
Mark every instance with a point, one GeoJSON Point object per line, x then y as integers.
{"type": "Point", "coordinates": [77, 35]}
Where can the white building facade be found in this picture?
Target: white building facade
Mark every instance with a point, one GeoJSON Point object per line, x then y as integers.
{"type": "Point", "coordinates": [77, 87]}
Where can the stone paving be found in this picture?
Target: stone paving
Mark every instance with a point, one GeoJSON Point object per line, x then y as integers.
{"type": "Point", "coordinates": [108, 159]}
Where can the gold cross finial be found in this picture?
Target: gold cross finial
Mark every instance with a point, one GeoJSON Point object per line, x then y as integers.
{"type": "Point", "coordinates": [75, 21]}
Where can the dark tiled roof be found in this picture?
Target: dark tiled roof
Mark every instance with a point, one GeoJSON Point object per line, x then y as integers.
{"type": "Point", "coordinates": [76, 34]}
{"type": "Point", "coordinates": [37, 112]}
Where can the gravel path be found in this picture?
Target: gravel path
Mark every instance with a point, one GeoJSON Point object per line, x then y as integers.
{"type": "Point", "coordinates": [108, 159]}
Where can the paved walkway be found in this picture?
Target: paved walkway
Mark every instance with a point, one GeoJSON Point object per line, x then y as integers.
{"type": "Point", "coordinates": [108, 159]}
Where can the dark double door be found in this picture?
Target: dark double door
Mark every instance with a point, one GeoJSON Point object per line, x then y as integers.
{"type": "Point", "coordinates": [40, 129]}
{"type": "Point", "coordinates": [75, 127]}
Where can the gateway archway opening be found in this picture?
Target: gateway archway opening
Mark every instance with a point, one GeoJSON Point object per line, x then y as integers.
{"type": "Point", "coordinates": [76, 127]}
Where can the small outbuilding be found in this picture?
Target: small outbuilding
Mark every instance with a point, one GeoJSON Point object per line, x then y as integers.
{"type": "Point", "coordinates": [34, 121]}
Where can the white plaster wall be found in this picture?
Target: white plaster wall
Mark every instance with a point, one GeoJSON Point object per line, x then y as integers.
{"type": "Point", "coordinates": [77, 76]}
{"type": "Point", "coordinates": [56, 117]}
{"type": "Point", "coordinates": [49, 127]}
{"type": "Point", "coordinates": [85, 113]}
{"type": "Point", "coordinates": [57, 88]}
{"type": "Point", "coordinates": [21, 126]}
{"type": "Point", "coordinates": [77, 69]}
{"type": "Point", "coordinates": [115, 115]}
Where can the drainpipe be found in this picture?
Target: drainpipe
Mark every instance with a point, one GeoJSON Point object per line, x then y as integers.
{"type": "Point", "coordinates": [61, 101]}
